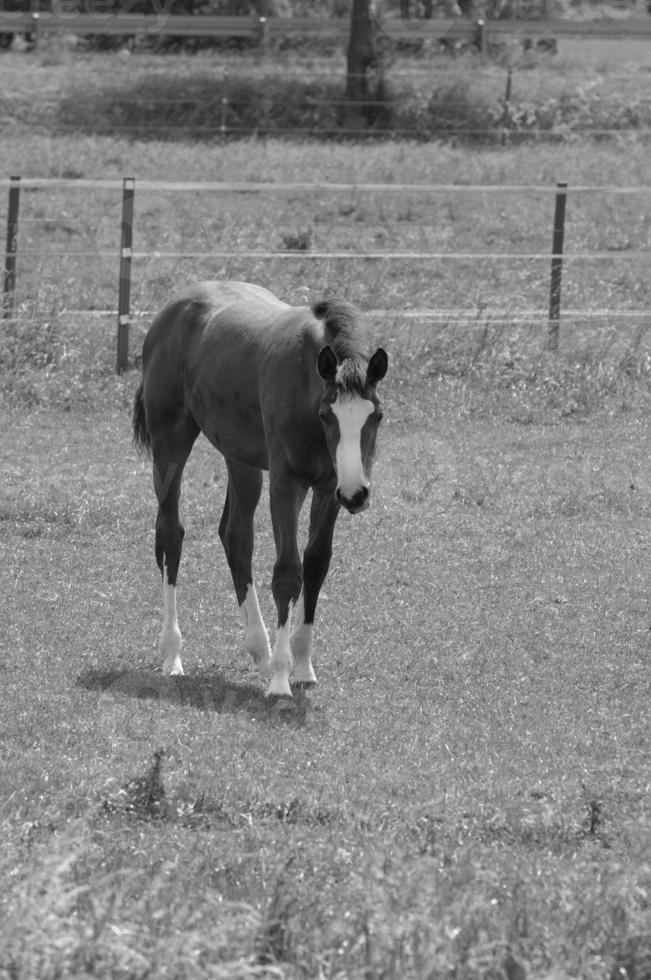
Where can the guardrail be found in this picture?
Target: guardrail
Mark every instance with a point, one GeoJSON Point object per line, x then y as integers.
{"type": "Point", "coordinates": [262, 30]}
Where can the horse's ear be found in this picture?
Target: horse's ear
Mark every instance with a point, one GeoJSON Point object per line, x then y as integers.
{"type": "Point", "coordinates": [377, 366]}
{"type": "Point", "coordinates": [326, 364]}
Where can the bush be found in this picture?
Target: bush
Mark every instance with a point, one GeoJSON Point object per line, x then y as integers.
{"type": "Point", "coordinates": [204, 106]}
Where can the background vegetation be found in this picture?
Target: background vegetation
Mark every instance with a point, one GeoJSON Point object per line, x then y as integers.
{"type": "Point", "coordinates": [586, 88]}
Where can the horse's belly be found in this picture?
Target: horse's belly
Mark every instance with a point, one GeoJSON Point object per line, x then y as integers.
{"type": "Point", "coordinates": [230, 418]}
{"type": "Point", "coordinates": [245, 447]}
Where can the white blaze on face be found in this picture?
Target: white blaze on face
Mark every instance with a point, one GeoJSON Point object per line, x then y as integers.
{"type": "Point", "coordinates": [351, 413]}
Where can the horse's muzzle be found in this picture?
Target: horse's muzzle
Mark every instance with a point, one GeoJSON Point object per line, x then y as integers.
{"type": "Point", "coordinates": [355, 504]}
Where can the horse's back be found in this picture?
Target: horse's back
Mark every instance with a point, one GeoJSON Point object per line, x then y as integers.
{"type": "Point", "coordinates": [214, 352]}
{"type": "Point", "coordinates": [220, 319]}
{"type": "Point", "coordinates": [222, 295]}
{"type": "Point", "coordinates": [211, 305]}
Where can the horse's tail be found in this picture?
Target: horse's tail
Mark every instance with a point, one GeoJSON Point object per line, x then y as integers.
{"type": "Point", "coordinates": [141, 435]}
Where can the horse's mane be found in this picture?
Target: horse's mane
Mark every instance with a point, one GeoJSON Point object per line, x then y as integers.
{"type": "Point", "coordinates": [340, 320]}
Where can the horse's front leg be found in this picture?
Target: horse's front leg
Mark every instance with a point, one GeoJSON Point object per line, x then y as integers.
{"type": "Point", "coordinates": [316, 562]}
{"type": "Point", "coordinates": [287, 496]}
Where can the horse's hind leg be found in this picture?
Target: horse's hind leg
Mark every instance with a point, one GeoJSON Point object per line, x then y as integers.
{"type": "Point", "coordinates": [236, 533]}
{"type": "Point", "coordinates": [171, 447]}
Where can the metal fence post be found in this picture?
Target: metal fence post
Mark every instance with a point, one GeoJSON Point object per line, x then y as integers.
{"type": "Point", "coordinates": [36, 28]}
{"type": "Point", "coordinates": [124, 287]}
{"type": "Point", "coordinates": [224, 104]}
{"type": "Point", "coordinates": [11, 249]}
{"type": "Point", "coordinates": [557, 266]}
{"type": "Point", "coordinates": [507, 104]}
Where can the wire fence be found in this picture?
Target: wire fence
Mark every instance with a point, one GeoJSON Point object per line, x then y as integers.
{"type": "Point", "coordinates": [29, 246]}
{"type": "Point", "coordinates": [607, 24]}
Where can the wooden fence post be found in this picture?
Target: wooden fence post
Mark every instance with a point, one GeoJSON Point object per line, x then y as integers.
{"type": "Point", "coordinates": [124, 287]}
{"type": "Point", "coordinates": [11, 249]}
{"type": "Point", "coordinates": [557, 266]}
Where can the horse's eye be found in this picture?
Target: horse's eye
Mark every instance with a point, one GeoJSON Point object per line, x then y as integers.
{"type": "Point", "coordinates": [324, 414]}
{"type": "Point", "coordinates": [379, 415]}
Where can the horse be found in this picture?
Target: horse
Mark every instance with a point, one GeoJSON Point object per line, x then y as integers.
{"type": "Point", "coordinates": [273, 387]}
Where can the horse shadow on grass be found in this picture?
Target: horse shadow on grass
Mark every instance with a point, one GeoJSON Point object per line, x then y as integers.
{"type": "Point", "coordinates": [201, 691]}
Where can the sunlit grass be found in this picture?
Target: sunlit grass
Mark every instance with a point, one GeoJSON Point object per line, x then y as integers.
{"type": "Point", "coordinates": [467, 783]}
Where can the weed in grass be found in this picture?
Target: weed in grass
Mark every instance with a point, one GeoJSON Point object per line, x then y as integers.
{"type": "Point", "coordinates": [300, 241]}
{"type": "Point", "coordinates": [513, 969]}
{"type": "Point", "coordinates": [144, 796]}
{"type": "Point", "coordinates": [274, 942]}
{"type": "Point", "coordinates": [595, 820]}
{"type": "Point", "coordinates": [630, 958]}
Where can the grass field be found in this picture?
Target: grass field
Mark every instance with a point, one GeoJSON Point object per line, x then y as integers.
{"type": "Point", "coordinates": [469, 782]}
{"type": "Point", "coordinates": [466, 794]}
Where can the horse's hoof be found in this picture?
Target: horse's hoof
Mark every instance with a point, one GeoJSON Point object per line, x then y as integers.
{"type": "Point", "coordinates": [279, 688]}
{"type": "Point", "coordinates": [303, 685]}
{"type": "Point", "coordinates": [303, 675]}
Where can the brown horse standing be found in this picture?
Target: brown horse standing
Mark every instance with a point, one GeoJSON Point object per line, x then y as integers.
{"type": "Point", "coordinates": [273, 387]}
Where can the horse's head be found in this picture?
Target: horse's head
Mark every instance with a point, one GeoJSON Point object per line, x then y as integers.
{"type": "Point", "coordinates": [350, 413]}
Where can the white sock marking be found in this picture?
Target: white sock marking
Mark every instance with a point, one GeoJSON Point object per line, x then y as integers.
{"type": "Point", "coordinates": [301, 646]}
{"type": "Point", "coordinates": [281, 660]}
{"type": "Point", "coordinates": [256, 638]}
{"type": "Point", "coordinates": [170, 641]}
{"type": "Point", "coordinates": [351, 412]}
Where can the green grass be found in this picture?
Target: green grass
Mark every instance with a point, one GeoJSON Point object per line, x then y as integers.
{"type": "Point", "coordinates": [466, 792]}
{"type": "Point", "coordinates": [483, 695]}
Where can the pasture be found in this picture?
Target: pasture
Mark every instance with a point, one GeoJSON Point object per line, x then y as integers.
{"type": "Point", "coordinates": [467, 791]}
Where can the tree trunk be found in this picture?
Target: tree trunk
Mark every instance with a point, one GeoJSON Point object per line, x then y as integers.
{"type": "Point", "coordinates": [360, 56]}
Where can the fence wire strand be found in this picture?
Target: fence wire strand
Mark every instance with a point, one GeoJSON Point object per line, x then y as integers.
{"type": "Point", "coordinates": [445, 316]}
